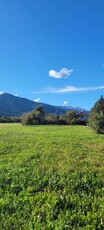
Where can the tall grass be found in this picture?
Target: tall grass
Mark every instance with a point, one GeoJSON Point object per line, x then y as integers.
{"type": "Point", "coordinates": [51, 177]}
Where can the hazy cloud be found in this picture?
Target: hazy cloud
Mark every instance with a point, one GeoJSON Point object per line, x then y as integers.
{"type": "Point", "coordinates": [76, 89]}
{"type": "Point", "coordinates": [69, 89]}
{"type": "Point", "coordinates": [37, 100]}
{"type": "Point", "coordinates": [63, 73]}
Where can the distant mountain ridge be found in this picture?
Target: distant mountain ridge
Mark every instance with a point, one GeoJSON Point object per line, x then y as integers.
{"type": "Point", "coordinates": [11, 105]}
{"type": "Point", "coordinates": [77, 109]}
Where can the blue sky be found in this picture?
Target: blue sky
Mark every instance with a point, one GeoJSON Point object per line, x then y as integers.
{"type": "Point", "coordinates": [52, 51]}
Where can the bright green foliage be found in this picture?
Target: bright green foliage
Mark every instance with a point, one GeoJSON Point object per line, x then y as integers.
{"type": "Point", "coordinates": [96, 119]}
{"type": "Point", "coordinates": [51, 177]}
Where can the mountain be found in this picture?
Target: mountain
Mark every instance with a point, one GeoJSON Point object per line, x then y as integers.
{"type": "Point", "coordinates": [11, 105]}
{"type": "Point", "coordinates": [76, 109]}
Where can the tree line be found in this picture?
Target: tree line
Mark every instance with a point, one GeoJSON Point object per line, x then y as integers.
{"type": "Point", "coordinates": [6, 119]}
{"type": "Point", "coordinates": [38, 117]}
{"type": "Point", "coordinates": [95, 119]}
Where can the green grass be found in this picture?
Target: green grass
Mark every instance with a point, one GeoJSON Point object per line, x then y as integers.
{"type": "Point", "coordinates": [51, 178]}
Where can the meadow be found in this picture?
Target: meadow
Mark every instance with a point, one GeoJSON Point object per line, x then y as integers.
{"type": "Point", "coordinates": [51, 178]}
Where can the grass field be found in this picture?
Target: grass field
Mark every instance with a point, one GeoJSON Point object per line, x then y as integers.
{"type": "Point", "coordinates": [51, 178]}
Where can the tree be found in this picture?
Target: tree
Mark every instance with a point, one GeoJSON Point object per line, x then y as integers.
{"type": "Point", "coordinates": [40, 114]}
{"type": "Point", "coordinates": [52, 119]}
{"type": "Point", "coordinates": [96, 118]}
{"type": "Point", "coordinates": [69, 116]}
{"type": "Point", "coordinates": [35, 117]}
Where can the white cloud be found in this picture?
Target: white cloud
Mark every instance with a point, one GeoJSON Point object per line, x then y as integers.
{"type": "Point", "coordinates": [1, 93]}
{"type": "Point", "coordinates": [63, 73]}
{"type": "Point", "coordinates": [69, 89]}
{"type": "Point", "coordinates": [76, 89]}
{"type": "Point", "coordinates": [37, 100]}
{"type": "Point", "coordinates": [65, 102]}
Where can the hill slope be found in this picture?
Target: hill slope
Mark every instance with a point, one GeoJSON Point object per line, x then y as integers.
{"type": "Point", "coordinates": [11, 105]}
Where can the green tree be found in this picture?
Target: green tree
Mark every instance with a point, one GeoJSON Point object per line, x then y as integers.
{"type": "Point", "coordinates": [40, 115]}
{"type": "Point", "coordinates": [96, 118]}
{"type": "Point", "coordinates": [51, 119]}
{"type": "Point", "coordinates": [69, 116]}
{"type": "Point", "coordinates": [35, 117]}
